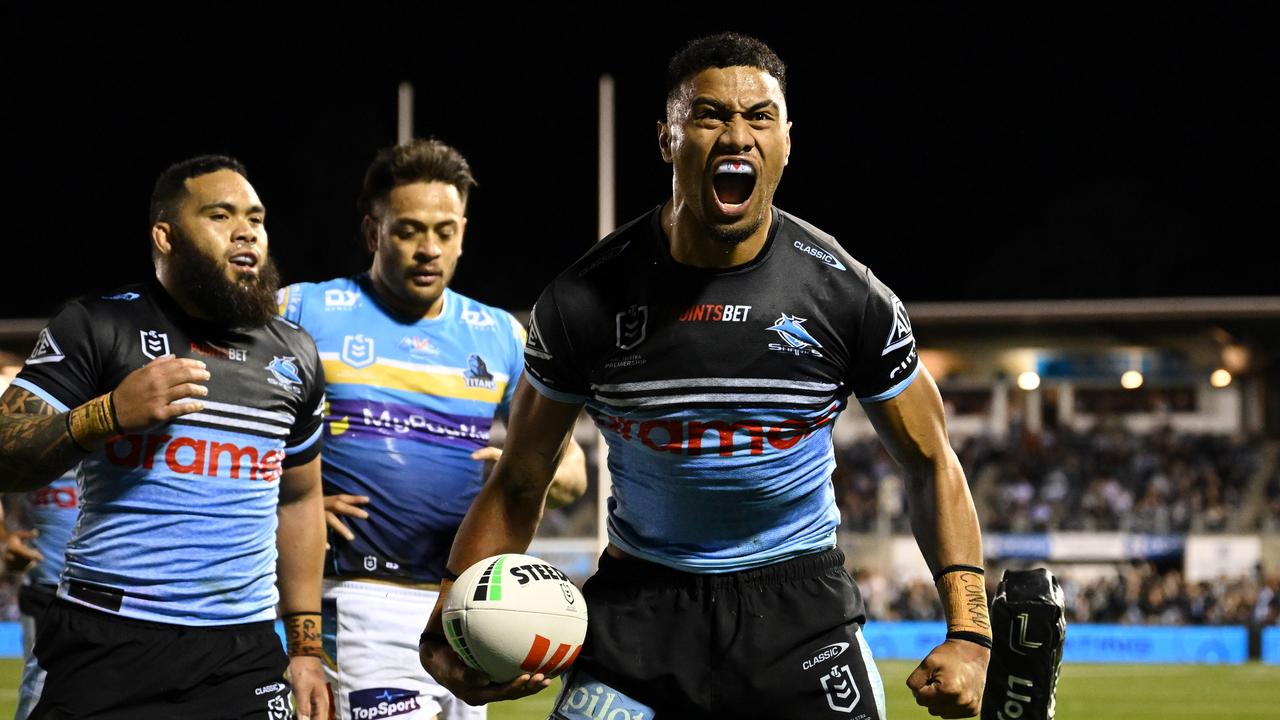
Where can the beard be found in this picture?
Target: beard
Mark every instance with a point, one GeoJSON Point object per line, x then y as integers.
{"type": "Point", "coordinates": [247, 302]}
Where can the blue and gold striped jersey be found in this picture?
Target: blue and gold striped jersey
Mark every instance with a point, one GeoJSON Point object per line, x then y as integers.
{"type": "Point", "coordinates": [409, 400]}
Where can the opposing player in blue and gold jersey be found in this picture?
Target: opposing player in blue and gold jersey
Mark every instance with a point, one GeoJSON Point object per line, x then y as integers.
{"type": "Point", "coordinates": [416, 375]}
{"type": "Point", "coordinates": [194, 414]}
{"type": "Point", "coordinates": [713, 341]}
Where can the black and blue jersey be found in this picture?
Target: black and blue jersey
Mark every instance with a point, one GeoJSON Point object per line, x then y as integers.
{"type": "Point", "coordinates": [178, 524]}
{"type": "Point", "coordinates": [717, 389]}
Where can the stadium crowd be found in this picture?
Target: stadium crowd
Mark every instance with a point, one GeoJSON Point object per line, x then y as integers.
{"type": "Point", "coordinates": [1105, 479]}
{"type": "Point", "coordinates": [1138, 593]}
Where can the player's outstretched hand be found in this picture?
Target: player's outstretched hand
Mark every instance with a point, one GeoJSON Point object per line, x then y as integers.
{"type": "Point", "coordinates": [18, 555]}
{"type": "Point", "coordinates": [347, 506]}
{"type": "Point", "coordinates": [160, 391]}
{"type": "Point", "coordinates": [310, 694]}
{"type": "Point", "coordinates": [949, 681]}
{"type": "Point", "coordinates": [468, 684]}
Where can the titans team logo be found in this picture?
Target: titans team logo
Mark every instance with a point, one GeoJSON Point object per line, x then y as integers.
{"type": "Point", "coordinates": [357, 351]}
{"type": "Point", "coordinates": [797, 340]}
{"type": "Point", "coordinates": [284, 373]}
{"type": "Point", "coordinates": [631, 326]}
{"type": "Point", "coordinates": [840, 688]}
{"type": "Point", "coordinates": [477, 373]}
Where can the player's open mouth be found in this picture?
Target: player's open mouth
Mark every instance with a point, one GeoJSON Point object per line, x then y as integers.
{"type": "Point", "coordinates": [733, 182]}
{"type": "Point", "coordinates": [244, 260]}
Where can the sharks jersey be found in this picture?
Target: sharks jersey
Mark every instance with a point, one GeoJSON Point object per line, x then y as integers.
{"type": "Point", "coordinates": [52, 510]}
{"type": "Point", "coordinates": [409, 401]}
{"type": "Point", "coordinates": [717, 389]}
{"type": "Point", "coordinates": [178, 524]}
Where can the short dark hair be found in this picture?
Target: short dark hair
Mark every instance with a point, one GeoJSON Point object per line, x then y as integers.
{"type": "Point", "coordinates": [415, 161]}
{"type": "Point", "coordinates": [171, 185]}
{"type": "Point", "coordinates": [721, 51]}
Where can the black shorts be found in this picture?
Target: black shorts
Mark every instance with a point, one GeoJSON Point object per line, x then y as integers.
{"type": "Point", "coordinates": [102, 665]}
{"type": "Point", "coordinates": [773, 643]}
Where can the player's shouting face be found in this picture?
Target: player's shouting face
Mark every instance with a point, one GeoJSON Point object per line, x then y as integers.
{"type": "Point", "coordinates": [728, 138]}
{"type": "Point", "coordinates": [415, 235]}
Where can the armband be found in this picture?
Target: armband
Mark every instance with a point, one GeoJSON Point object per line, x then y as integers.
{"type": "Point", "coordinates": [963, 591]}
{"type": "Point", "coordinates": [93, 421]}
{"type": "Point", "coordinates": [302, 634]}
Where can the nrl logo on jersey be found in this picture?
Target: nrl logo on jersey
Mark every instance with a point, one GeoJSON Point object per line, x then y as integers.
{"type": "Point", "coordinates": [478, 319]}
{"type": "Point", "coordinates": [477, 373]}
{"type": "Point", "coordinates": [154, 344]}
{"type": "Point", "coordinates": [795, 339]}
{"type": "Point", "coordinates": [46, 350]}
{"type": "Point", "coordinates": [357, 351]}
{"type": "Point", "coordinates": [900, 334]}
{"type": "Point", "coordinates": [284, 373]}
{"type": "Point", "coordinates": [336, 299]}
{"type": "Point", "coordinates": [631, 325]}
{"type": "Point", "coordinates": [841, 689]}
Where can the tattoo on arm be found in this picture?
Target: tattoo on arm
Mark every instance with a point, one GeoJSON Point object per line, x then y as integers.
{"type": "Point", "coordinates": [34, 445]}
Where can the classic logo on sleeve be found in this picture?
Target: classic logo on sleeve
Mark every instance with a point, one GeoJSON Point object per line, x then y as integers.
{"type": "Point", "coordinates": [46, 350]}
{"type": "Point", "coordinates": [900, 334]}
{"type": "Point", "coordinates": [823, 256]}
{"type": "Point", "coordinates": [125, 296]}
{"type": "Point", "coordinates": [154, 344]}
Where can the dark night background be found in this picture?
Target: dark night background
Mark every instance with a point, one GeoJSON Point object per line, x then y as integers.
{"type": "Point", "coordinates": [965, 153]}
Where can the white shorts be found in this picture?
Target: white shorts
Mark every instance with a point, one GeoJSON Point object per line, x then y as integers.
{"type": "Point", "coordinates": [371, 631]}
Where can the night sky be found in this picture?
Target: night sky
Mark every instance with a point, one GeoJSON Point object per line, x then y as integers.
{"type": "Point", "coordinates": [964, 153]}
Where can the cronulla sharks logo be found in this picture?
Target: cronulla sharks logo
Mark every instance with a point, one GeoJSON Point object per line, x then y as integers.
{"type": "Point", "coordinates": [795, 339]}
{"type": "Point", "coordinates": [284, 373]}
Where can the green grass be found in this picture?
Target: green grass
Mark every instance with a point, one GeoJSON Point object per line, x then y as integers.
{"type": "Point", "coordinates": [1087, 692]}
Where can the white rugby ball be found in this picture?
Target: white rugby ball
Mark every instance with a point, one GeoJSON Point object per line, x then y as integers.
{"type": "Point", "coordinates": [513, 614]}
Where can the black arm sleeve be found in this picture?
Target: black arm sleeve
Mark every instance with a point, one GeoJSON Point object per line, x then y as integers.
{"type": "Point", "coordinates": [307, 436]}
{"type": "Point", "coordinates": [65, 367]}
{"type": "Point", "coordinates": [886, 361]}
{"type": "Point", "coordinates": [553, 365]}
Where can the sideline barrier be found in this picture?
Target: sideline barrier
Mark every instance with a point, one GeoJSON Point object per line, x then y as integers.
{"type": "Point", "coordinates": [1085, 643]}
{"type": "Point", "coordinates": [1271, 645]}
{"type": "Point", "coordinates": [1091, 643]}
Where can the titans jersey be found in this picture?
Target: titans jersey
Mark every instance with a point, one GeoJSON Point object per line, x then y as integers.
{"type": "Point", "coordinates": [52, 510]}
{"type": "Point", "coordinates": [409, 400]}
{"type": "Point", "coordinates": [178, 524]}
{"type": "Point", "coordinates": [716, 389]}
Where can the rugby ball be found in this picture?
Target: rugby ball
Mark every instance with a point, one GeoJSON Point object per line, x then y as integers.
{"type": "Point", "coordinates": [513, 614]}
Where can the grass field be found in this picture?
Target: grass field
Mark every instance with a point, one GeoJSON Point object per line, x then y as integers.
{"type": "Point", "coordinates": [1087, 692]}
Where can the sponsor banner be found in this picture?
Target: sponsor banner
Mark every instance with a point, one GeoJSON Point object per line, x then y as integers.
{"type": "Point", "coordinates": [377, 419]}
{"type": "Point", "coordinates": [1271, 645]}
{"type": "Point", "coordinates": [1081, 546]}
{"type": "Point", "coordinates": [1086, 643]}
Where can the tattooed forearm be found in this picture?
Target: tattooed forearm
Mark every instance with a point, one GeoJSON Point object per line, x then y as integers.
{"type": "Point", "coordinates": [34, 445]}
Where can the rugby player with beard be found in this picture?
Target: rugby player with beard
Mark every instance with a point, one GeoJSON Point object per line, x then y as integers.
{"type": "Point", "coordinates": [714, 341]}
{"type": "Point", "coordinates": [194, 413]}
